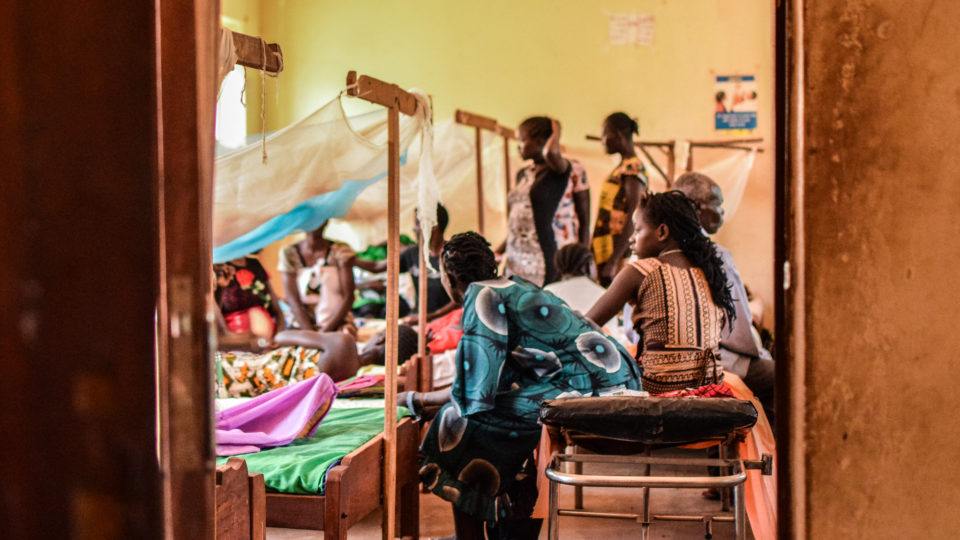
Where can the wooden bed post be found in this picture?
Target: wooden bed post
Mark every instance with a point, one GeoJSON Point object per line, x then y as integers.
{"type": "Point", "coordinates": [479, 123]}
{"type": "Point", "coordinates": [507, 134]}
{"type": "Point", "coordinates": [668, 150]}
{"type": "Point", "coordinates": [422, 244]}
{"type": "Point", "coordinates": [254, 52]}
{"type": "Point", "coordinates": [396, 101]}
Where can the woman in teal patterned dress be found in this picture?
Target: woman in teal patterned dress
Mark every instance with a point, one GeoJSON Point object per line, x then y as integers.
{"type": "Point", "coordinates": [521, 346]}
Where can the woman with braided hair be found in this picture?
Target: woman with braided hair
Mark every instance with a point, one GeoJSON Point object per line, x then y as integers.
{"type": "Point", "coordinates": [520, 346]}
{"type": "Point", "coordinates": [619, 196]}
{"type": "Point", "coordinates": [680, 295]}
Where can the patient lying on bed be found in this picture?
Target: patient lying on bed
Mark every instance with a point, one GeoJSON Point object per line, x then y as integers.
{"type": "Point", "coordinates": [253, 357]}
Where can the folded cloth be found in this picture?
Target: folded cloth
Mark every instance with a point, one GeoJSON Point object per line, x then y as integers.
{"type": "Point", "coordinates": [275, 418]}
{"type": "Point", "coordinates": [361, 386]}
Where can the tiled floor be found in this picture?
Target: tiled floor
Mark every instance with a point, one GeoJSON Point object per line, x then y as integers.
{"type": "Point", "coordinates": [436, 519]}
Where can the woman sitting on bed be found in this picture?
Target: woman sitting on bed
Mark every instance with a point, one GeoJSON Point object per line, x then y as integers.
{"type": "Point", "coordinates": [680, 295]}
{"type": "Point", "coordinates": [318, 283]}
{"type": "Point", "coordinates": [246, 299]}
{"type": "Point", "coordinates": [253, 358]}
{"type": "Point", "coordinates": [520, 346]}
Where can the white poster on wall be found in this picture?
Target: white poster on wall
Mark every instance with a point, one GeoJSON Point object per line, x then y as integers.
{"type": "Point", "coordinates": [630, 29]}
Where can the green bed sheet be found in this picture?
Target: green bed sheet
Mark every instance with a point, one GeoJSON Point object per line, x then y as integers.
{"type": "Point", "coordinates": [301, 467]}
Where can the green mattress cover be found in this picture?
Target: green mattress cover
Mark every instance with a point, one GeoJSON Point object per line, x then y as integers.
{"type": "Point", "coordinates": [301, 467]}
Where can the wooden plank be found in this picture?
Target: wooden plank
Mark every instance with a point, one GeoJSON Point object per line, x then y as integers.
{"type": "Point", "coordinates": [381, 93]}
{"type": "Point", "coordinates": [393, 315]}
{"type": "Point", "coordinates": [254, 52]}
{"type": "Point", "coordinates": [297, 511]}
{"type": "Point", "coordinates": [423, 242]}
{"type": "Point", "coordinates": [652, 161]}
{"type": "Point", "coordinates": [188, 33]}
{"type": "Point", "coordinates": [78, 282]}
{"type": "Point", "coordinates": [360, 488]}
{"type": "Point", "coordinates": [408, 478]}
{"type": "Point", "coordinates": [671, 152]}
{"type": "Point", "coordinates": [506, 133]}
{"type": "Point", "coordinates": [258, 507]}
{"type": "Point", "coordinates": [232, 501]}
{"type": "Point", "coordinates": [476, 120]}
{"type": "Point", "coordinates": [396, 100]}
{"type": "Point", "coordinates": [725, 142]}
{"type": "Point", "coordinates": [478, 154]}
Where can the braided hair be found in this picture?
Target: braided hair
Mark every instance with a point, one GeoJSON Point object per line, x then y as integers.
{"type": "Point", "coordinates": [679, 213]}
{"type": "Point", "coordinates": [467, 258]}
{"type": "Point", "coordinates": [573, 260]}
{"type": "Point", "coordinates": [537, 127]}
{"type": "Point", "coordinates": [622, 122]}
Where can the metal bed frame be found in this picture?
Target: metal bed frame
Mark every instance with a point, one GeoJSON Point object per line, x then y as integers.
{"type": "Point", "coordinates": [733, 475]}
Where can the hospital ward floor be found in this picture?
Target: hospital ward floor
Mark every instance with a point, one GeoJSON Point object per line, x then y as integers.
{"type": "Point", "coordinates": [436, 520]}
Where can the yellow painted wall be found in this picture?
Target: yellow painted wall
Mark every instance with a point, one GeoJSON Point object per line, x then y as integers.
{"type": "Point", "coordinates": [510, 60]}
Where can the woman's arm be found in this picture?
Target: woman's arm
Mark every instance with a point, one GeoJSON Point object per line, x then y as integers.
{"type": "Point", "coordinates": [292, 296]}
{"type": "Point", "coordinates": [623, 289]}
{"type": "Point", "coordinates": [371, 266]}
{"type": "Point", "coordinates": [451, 305]}
{"type": "Point", "coordinates": [551, 151]}
{"type": "Point", "coordinates": [275, 309]}
{"type": "Point", "coordinates": [425, 404]}
{"type": "Point", "coordinates": [347, 287]}
{"type": "Point", "coordinates": [581, 204]}
{"type": "Point", "coordinates": [633, 188]}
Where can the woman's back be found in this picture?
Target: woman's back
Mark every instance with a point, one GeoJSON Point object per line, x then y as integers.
{"type": "Point", "coordinates": [679, 324]}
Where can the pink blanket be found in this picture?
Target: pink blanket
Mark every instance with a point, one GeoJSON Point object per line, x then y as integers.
{"type": "Point", "coordinates": [276, 418]}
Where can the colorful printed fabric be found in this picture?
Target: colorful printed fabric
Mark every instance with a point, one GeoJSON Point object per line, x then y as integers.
{"type": "Point", "coordinates": [679, 327]}
{"type": "Point", "coordinates": [248, 374]}
{"type": "Point", "coordinates": [362, 386]}
{"type": "Point", "coordinates": [542, 218]}
{"type": "Point", "coordinates": [520, 346]}
{"type": "Point", "coordinates": [276, 418]}
{"type": "Point", "coordinates": [612, 215]}
{"type": "Point", "coordinates": [241, 285]}
{"type": "Point", "coordinates": [705, 391]}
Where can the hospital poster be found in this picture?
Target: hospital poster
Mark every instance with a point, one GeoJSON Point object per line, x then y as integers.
{"type": "Point", "coordinates": [735, 101]}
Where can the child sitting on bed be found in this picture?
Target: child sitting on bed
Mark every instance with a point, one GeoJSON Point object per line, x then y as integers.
{"type": "Point", "coordinates": [680, 293]}
{"type": "Point", "coordinates": [520, 346]}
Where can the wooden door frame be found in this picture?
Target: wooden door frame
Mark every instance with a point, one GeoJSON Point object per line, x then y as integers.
{"type": "Point", "coordinates": [78, 282]}
{"type": "Point", "coordinates": [789, 270]}
{"type": "Point", "coordinates": [187, 89]}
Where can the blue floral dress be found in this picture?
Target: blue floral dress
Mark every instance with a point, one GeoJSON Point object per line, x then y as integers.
{"type": "Point", "coordinates": [521, 345]}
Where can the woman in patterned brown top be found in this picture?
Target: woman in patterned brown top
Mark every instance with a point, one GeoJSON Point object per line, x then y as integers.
{"type": "Point", "coordinates": [680, 293]}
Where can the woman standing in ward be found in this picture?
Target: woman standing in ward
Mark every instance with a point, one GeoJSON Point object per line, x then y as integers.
{"type": "Point", "coordinates": [550, 206]}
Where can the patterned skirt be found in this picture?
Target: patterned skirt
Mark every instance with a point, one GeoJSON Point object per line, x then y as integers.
{"type": "Point", "coordinates": [669, 370]}
{"type": "Point", "coordinates": [481, 464]}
